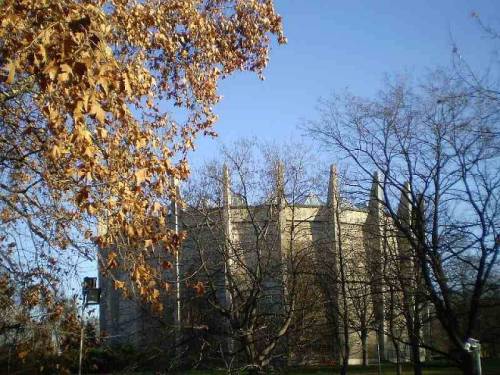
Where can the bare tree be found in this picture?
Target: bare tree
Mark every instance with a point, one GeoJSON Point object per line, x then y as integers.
{"type": "Point", "coordinates": [349, 280]}
{"type": "Point", "coordinates": [438, 144]}
{"type": "Point", "coordinates": [252, 249]}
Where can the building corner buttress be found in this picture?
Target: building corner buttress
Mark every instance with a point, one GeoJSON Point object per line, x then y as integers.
{"type": "Point", "coordinates": [110, 308]}
{"type": "Point", "coordinates": [225, 290]}
{"type": "Point", "coordinates": [226, 214]}
{"type": "Point", "coordinates": [227, 227]}
{"type": "Point", "coordinates": [374, 245]}
{"type": "Point", "coordinates": [405, 215]}
{"type": "Point", "coordinates": [283, 255]}
{"type": "Point", "coordinates": [331, 263]}
{"type": "Point", "coordinates": [281, 219]}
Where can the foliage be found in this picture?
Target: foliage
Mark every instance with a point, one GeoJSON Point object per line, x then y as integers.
{"type": "Point", "coordinates": [88, 136]}
{"type": "Point", "coordinates": [41, 339]}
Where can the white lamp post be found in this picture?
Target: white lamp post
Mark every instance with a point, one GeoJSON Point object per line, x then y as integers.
{"type": "Point", "coordinates": [473, 346]}
{"type": "Point", "coordinates": [91, 296]}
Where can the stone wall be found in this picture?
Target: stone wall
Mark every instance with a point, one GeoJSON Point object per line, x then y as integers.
{"type": "Point", "coordinates": [224, 238]}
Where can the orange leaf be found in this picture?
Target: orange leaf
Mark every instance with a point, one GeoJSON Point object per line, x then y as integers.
{"type": "Point", "coordinates": [112, 262]}
{"type": "Point", "coordinates": [156, 207]}
{"type": "Point", "coordinates": [140, 175]}
{"type": "Point", "coordinates": [91, 209]}
{"type": "Point", "coordinates": [104, 84]}
{"type": "Point", "coordinates": [66, 68]}
{"type": "Point", "coordinates": [166, 265]}
{"type": "Point", "coordinates": [103, 133]}
{"type": "Point", "coordinates": [51, 70]}
{"type": "Point", "coordinates": [97, 111]}
{"type": "Point", "coordinates": [11, 67]}
{"type": "Point", "coordinates": [126, 84]}
{"type": "Point", "coordinates": [199, 288]}
{"type": "Point", "coordinates": [63, 77]}
{"type": "Point", "coordinates": [119, 284]}
{"type": "Point", "coordinates": [81, 196]}
{"type": "Point", "coordinates": [55, 152]}
{"type": "Point", "coordinates": [89, 152]}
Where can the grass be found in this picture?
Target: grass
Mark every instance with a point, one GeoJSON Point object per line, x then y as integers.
{"type": "Point", "coordinates": [490, 367]}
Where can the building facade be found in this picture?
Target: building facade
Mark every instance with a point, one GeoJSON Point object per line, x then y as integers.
{"type": "Point", "coordinates": [296, 278]}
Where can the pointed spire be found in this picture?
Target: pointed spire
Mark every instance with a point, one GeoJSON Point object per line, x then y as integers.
{"type": "Point", "coordinates": [333, 207]}
{"type": "Point", "coordinates": [376, 194]}
{"type": "Point", "coordinates": [374, 250]}
{"type": "Point", "coordinates": [404, 208]}
{"type": "Point", "coordinates": [280, 184]}
{"type": "Point", "coordinates": [226, 186]}
{"type": "Point", "coordinates": [333, 187]}
{"type": "Point", "coordinates": [418, 215]}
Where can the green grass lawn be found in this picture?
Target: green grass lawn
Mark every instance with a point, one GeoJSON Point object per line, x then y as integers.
{"type": "Point", "coordinates": [374, 370]}
{"type": "Point", "coordinates": [490, 367]}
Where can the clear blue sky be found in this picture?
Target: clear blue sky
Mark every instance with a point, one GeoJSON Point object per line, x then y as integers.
{"type": "Point", "coordinates": [333, 45]}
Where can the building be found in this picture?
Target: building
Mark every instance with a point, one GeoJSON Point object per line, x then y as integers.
{"type": "Point", "coordinates": [297, 278]}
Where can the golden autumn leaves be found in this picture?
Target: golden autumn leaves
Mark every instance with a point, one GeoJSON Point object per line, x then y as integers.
{"type": "Point", "coordinates": [85, 88]}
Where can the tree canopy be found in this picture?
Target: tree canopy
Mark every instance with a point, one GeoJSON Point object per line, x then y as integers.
{"type": "Point", "coordinates": [100, 103]}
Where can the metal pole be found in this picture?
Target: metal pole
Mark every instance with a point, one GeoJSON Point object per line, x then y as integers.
{"type": "Point", "coordinates": [82, 333]}
{"type": "Point", "coordinates": [178, 305]}
{"type": "Point", "coordinates": [477, 359]}
{"type": "Point", "coordinates": [378, 355]}
{"type": "Point", "coordinates": [177, 270]}
{"type": "Point", "coordinates": [473, 346]}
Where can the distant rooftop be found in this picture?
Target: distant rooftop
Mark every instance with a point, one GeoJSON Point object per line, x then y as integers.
{"type": "Point", "coordinates": [311, 200]}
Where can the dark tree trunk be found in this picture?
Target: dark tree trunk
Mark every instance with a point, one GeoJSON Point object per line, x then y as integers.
{"type": "Point", "coordinates": [346, 351]}
{"type": "Point", "coordinates": [345, 309]}
{"type": "Point", "coordinates": [345, 363]}
{"type": "Point", "coordinates": [399, 369]}
{"type": "Point", "coordinates": [414, 325]}
{"type": "Point", "coordinates": [415, 354]}
{"type": "Point", "coordinates": [364, 347]}
{"type": "Point", "coordinates": [467, 363]}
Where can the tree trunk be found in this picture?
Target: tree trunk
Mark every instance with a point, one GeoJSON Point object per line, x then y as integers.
{"type": "Point", "coordinates": [345, 312]}
{"type": "Point", "coordinates": [364, 347]}
{"type": "Point", "coordinates": [399, 369]}
{"type": "Point", "coordinates": [346, 352]}
{"type": "Point", "coordinates": [415, 354]}
{"type": "Point", "coordinates": [467, 363]}
{"type": "Point", "coordinates": [345, 363]}
{"type": "Point", "coordinates": [252, 360]}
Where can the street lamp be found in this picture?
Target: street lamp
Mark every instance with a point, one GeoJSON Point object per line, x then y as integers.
{"type": "Point", "coordinates": [91, 295]}
{"type": "Point", "coordinates": [473, 346]}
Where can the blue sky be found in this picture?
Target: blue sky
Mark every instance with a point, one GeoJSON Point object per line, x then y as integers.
{"type": "Point", "coordinates": [333, 45]}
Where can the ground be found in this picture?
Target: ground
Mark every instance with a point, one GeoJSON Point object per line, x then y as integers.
{"type": "Point", "coordinates": [490, 367]}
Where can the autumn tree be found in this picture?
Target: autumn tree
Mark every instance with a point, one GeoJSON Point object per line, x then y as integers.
{"type": "Point", "coordinates": [100, 103]}
{"type": "Point", "coordinates": [38, 335]}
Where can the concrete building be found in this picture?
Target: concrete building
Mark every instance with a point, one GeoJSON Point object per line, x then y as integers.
{"type": "Point", "coordinates": [327, 260]}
